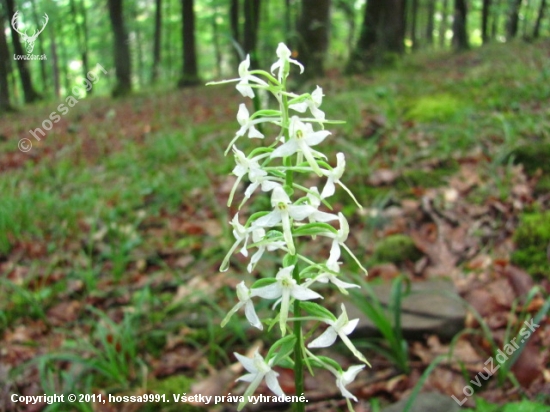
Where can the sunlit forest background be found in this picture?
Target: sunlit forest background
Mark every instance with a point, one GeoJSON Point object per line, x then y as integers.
{"type": "Point", "coordinates": [169, 42]}
{"type": "Point", "coordinates": [114, 185]}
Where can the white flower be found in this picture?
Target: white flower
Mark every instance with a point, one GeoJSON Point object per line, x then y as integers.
{"type": "Point", "coordinates": [312, 103]}
{"type": "Point", "coordinates": [256, 174]}
{"type": "Point", "coordinates": [258, 236]}
{"type": "Point", "coordinates": [302, 137]}
{"type": "Point", "coordinates": [245, 77]}
{"type": "Point", "coordinates": [328, 276]}
{"type": "Point", "coordinates": [258, 369]}
{"type": "Point", "coordinates": [315, 201]}
{"type": "Point", "coordinates": [339, 239]}
{"type": "Point", "coordinates": [341, 327]}
{"type": "Point", "coordinates": [334, 176]}
{"type": "Point", "coordinates": [243, 293]}
{"type": "Point", "coordinates": [283, 53]}
{"type": "Point", "coordinates": [345, 378]}
{"type": "Point", "coordinates": [247, 125]}
{"type": "Point", "coordinates": [241, 234]}
{"type": "Point", "coordinates": [283, 210]}
{"type": "Point", "coordinates": [284, 288]}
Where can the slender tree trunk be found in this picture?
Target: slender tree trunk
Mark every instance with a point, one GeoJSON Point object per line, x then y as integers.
{"type": "Point", "coordinates": [485, 10]}
{"type": "Point", "coordinates": [513, 19]}
{"type": "Point", "coordinates": [313, 33]}
{"type": "Point", "coordinates": [460, 32]}
{"type": "Point", "coordinates": [157, 41]}
{"type": "Point", "coordinates": [430, 25]}
{"type": "Point", "coordinates": [121, 49]}
{"type": "Point", "coordinates": [55, 62]}
{"type": "Point", "coordinates": [495, 18]}
{"type": "Point", "coordinates": [443, 25]}
{"type": "Point", "coordinates": [289, 27]}
{"type": "Point", "coordinates": [251, 26]}
{"type": "Point", "coordinates": [190, 75]}
{"type": "Point", "coordinates": [26, 81]}
{"type": "Point", "coordinates": [540, 16]}
{"type": "Point", "coordinates": [4, 69]}
{"type": "Point", "coordinates": [414, 16]}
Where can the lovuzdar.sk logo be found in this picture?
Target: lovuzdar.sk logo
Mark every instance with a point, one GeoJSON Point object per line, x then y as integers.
{"type": "Point", "coordinates": [28, 39]}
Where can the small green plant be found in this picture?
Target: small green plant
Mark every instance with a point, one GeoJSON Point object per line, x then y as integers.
{"type": "Point", "coordinates": [392, 345]}
{"type": "Point", "coordinates": [532, 239]}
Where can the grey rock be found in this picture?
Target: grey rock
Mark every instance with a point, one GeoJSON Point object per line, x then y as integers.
{"type": "Point", "coordinates": [432, 307]}
{"type": "Point", "coordinates": [426, 402]}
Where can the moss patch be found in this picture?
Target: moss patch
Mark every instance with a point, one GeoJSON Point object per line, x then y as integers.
{"type": "Point", "coordinates": [436, 108]}
{"type": "Point", "coordinates": [396, 249]}
{"type": "Point", "coordinates": [533, 157]}
{"type": "Point", "coordinates": [532, 238]}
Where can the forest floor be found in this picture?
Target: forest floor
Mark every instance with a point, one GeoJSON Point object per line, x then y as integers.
{"type": "Point", "coordinates": [113, 227]}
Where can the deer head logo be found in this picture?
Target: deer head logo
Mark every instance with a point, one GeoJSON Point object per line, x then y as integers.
{"type": "Point", "coordinates": [29, 40]}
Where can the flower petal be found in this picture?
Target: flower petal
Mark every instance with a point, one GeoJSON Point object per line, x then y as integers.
{"type": "Point", "coordinates": [273, 291]}
{"type": "Point", "coordinates": [326, 339]}
{"type": "Point", "coordinates": [273, 383]}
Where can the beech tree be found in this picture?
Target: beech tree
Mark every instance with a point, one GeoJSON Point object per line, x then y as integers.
{"type": "Point", "coordinates": [31, 95]}
{"type": "Point", "coordinates": [460, 33]}
{"type": "Point", "coordinates": [190, 75]}
{"type": "Point", "coordinates": [121, 50]}
{"type": "Point", "coordinates": [313, 35]}
{"type": "Point", "coordinates": [382, 33]}
{"type": "Point", "coordinates": [4, 68]}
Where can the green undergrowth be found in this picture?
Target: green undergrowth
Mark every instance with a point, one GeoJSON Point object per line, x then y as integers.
{"type": "Point", "coordinates": [532, 239]}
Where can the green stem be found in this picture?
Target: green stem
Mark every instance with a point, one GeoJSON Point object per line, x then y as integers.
{"type": "Point", "coordinates": [298, 361]}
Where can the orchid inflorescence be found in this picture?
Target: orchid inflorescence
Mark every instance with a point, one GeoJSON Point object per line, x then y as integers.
{"type": "Point", "coordinates": [272, 170]}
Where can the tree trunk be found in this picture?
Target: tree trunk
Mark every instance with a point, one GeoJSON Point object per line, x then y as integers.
{"type": "Point", "coordinates": [495, 18]}
{"type": "Point", "coordinates": [414, 15]}
{"type": "Point", "coordinates": [540, 16]}
{"type": "Point", "coordinates": [313, 34]}
{"type": "Point", "coordinates": [251, 26]}
{"type": "Point", "coordinates": [4, 69]}
{"type": "Point", "coordinates": [382, 32]}
{"type": "Point", "coordinates": [513, 19]}
{"type": "Point", "coordinates": [190, 75]}
{"type": "Point", "coordinates": [235, 32]}
{"type": "Point", "coordinates": [121, 49]}
{"type": "Point", "coordinates": [430, 25]}
{"type": "Point", "coordinates": [443, 25]}
{"type": "Point", "coordinates": [157, 41]}
{"type": "Point", "coordinates": [28, 90]}
{"type": "Point", "coordinates": [460, 32]}
{"type": "Point", "coordinates": [485, 21]}
{"type": "Point", "coordinates": [55, 62]}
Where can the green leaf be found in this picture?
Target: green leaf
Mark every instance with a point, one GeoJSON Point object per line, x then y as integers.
{"type": "Point", "coordinates": [263, 282]}
{"type": "Point", "coordinates": [285, 347]}
{"type": "Point", "coordinates": [314, 309]}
